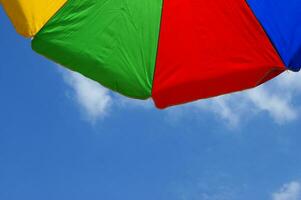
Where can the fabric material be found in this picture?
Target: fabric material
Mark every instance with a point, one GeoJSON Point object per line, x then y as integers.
{"type": "Point", "coordinates": [113, 42]}
{"type": "Point", "coordinates": [209, 48]}
{"type": "Point", "coordinates": [29, 16]}
{"type": "Point", "coordinates": [282, 21]}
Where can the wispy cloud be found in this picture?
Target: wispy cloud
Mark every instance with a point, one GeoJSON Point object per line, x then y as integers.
{"type": "Point", "coordinates": [279, 107]}
{"type": "Point", "coordinates": [94, 99]}
{"type": "Point", "coordinates": [290, 191]}
{"type": "Point", "coordinates": [275, 99]}
{"type": "Point", "coordinates": [126, 103]}
{"type": "Point", "coordinates": [207, 185]}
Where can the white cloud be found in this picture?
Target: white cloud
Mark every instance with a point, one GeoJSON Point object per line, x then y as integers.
{"type": "Point", "coordinates": [125, 102]}
{"type": "Point", "coordinates": [290, 81]}
{"type": "Point", "coordinates": [290, 191]}
{"type": "Point", "coordinates": [222, 107]}
{"type": "Point", "coordinates": [94, 99]}
{"type": "Point", "coordinates": [276, 105]}
{"type": "Point", "coordinates": [274, 98]}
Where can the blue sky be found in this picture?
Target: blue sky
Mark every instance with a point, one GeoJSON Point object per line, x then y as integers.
{"type": "Point", "coordinates": [64, 137]}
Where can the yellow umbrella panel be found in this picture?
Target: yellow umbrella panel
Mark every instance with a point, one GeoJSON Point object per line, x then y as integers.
{"type": "Point", "coordinates": [29, 16]}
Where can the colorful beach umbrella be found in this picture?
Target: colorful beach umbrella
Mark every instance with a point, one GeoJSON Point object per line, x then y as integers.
{"type": "Point", "coordinates": [175, 51]}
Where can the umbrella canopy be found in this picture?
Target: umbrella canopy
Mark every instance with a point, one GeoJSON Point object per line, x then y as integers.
{"type": "Point", "coordinates": [175, 51]}
{"type": "Point", "coordinates": [29, 16]}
